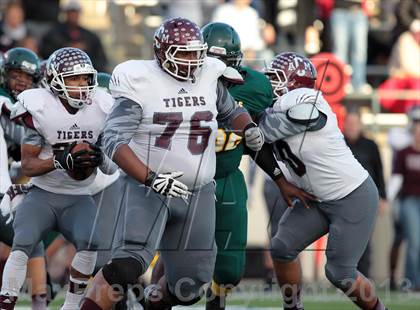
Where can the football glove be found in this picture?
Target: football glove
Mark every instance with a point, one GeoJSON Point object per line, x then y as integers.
{"type": "Point", "coordinates": [96, 157]}
{"type": "Point", "coordinates": [63, 159]}
{"type": "Point", "coordinates": [254, 138]}
{"type": "Point", "coordinates": [166, 184]}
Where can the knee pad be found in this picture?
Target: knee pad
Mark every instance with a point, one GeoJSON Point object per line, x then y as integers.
{"type": "Point", "coordinates": [283, 251]}
{"type": "Point", "coordinates": [340, 277]}
{"type": "Point", "coordinates": [123, 271]}
{"type": "Point", "coordinates": [229, 268]}
{"type": "Point", "coordinates": [84, 262]}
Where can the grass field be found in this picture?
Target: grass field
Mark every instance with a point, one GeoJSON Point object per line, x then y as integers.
{"type": "Point", "coordinates": [326, 301]}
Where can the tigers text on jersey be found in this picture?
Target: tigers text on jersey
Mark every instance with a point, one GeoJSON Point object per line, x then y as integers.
{"type": "Point", "coordinates": [56, 125]}
{"type": "Point", "coordinates": [178, 126]}
{"type": "Point", "coordinates": [332, 172]}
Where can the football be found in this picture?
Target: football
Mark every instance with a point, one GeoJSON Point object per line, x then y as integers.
{"type": "Point", "coordinates": [80, 174]}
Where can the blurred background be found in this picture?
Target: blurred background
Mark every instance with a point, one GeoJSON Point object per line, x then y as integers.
{"type": "Point", "coordinates": [367, 53]}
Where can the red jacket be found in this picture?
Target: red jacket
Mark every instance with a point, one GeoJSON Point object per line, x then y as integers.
{"type": "Point", "coordinates": [326, 6]}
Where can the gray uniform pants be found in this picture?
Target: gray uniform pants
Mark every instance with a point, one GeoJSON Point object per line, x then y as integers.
{"type": "Point", "coordinates": [349, 223]}
{"type": "Point", "coordinates": [7, 233]}
{"type": "Point", "coordinates": [183, 231]}
{"type": "Point", "coordinates": [41, 212]}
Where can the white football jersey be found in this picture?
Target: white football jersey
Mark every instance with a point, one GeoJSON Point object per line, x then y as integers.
{"type": "Point", "coordinates": [53, 122]}
{"type": "Point", "coordinates": [178, 126]}
{"type": "Point", "coordinates": [332, 171]}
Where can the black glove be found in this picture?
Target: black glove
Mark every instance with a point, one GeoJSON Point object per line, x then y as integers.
{"type": "Point", "coordinates": [96, 157]}
{"type": "Point", "coordinates": [63, 159]}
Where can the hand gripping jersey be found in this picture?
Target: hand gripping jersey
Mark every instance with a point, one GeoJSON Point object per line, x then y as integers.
{"type": "Point", "coordinates": [178, 126]}
{"type": "Point", "coordinates": [255, 95]}
{"type": "Point", "coordinates": [55, 125]}
{"type": "Point", "coordinates": [319, 160]}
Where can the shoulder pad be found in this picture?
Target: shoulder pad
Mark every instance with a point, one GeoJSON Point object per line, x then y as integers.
{"type": "Point", "coordinates": [104, 100]}
{"type": "Point", "coordinates": [303, 113]}
{"type": "Point", "coordinates": [215, 65]}
{"type": "Point", "coordinates": [18, 110]}
{"type": "Point", "coordinates": [232, 76]}
{"type": "Point", "coordinates": [296, 97]}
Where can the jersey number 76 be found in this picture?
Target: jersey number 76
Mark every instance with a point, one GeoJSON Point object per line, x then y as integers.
{"type": "Point", "coordinates": [174, 119]}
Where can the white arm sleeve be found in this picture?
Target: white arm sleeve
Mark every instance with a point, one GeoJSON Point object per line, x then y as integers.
{"type": "Point", "coordinates": [394, 186]}
{"type": "Point", "coordinates": [5, 181]}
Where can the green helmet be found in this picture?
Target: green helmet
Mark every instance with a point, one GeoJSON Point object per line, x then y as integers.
{"type": "Point", "coordinates": [223, 42]}
{"type": "Point", "coordinates": [22, 59]}
{"type": "Point", "coordinates": [103, 80]}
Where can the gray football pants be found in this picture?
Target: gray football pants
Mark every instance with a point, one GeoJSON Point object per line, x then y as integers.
{"type": "Point", "coordinates": [348, 221]}
{"type": "Point", "coordinates": [7, 234]}
{"type": "Point", "coordinates": [41, 212]}
{"type": "Point", "coordinates": [182, 230]}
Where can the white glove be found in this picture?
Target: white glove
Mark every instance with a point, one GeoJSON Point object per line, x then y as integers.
{"type": "Point", "coordinates": [167, 185]}
{"type": "Point", "coordinates": [12, 199]}
{"type": "Point", "coordinates": [254, 138]}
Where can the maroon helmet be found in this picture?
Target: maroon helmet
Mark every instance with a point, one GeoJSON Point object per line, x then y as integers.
{"type": "Point", "coordinates": [288, 71]}
{"type": "Point", "coordinates": [180, 48]}
{"type": "Point", "coordinates": [70, 61]}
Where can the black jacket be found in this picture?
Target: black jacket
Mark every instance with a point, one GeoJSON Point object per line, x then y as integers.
{"type": "Point", "coordinates": [367, 153]}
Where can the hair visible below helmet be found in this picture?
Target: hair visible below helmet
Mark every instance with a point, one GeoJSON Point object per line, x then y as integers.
{"type": "Point", "coordinates": [22, 59]}
{"type": "Point", "coordinates": [179, 35]}
{"type": "Point", "coordinates": [223, 42]}
{"type": "Point", "coordinates": [69, 61]}
{"type": "Point", "coordinates": [288, 71]}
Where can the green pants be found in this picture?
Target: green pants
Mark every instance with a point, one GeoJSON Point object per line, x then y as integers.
{"type": "Point", "coordinates": [231, 228]}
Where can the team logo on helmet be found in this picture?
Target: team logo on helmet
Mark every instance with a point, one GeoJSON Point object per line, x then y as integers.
{"type": "Point", "coordinates": [67, 62]}
{"type": "Point", "coordinates": [179, 48]}
{"type": "Point", "coordinates": [289, 71]}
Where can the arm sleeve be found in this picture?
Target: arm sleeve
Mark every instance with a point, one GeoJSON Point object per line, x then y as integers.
{"type": "Point", "coordinates": [266, 160]}
{"type": "Point", "coordinates": [379, 174]}
{"type": "Point", "coordinates": [276, 125]}
{"type": "Point", "coordinates": [32, 137]}
{"type": "Point", "coordinates": [121, 125]}
{"type": "Point", "coordinates": [12, 130]}
{"type": "Point", "coordinates": [5, 181]}
{"type": "Point", "coordinates": [226, 106]}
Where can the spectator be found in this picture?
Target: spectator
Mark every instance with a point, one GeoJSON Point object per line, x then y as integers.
{"type": "Point", "coordinates": [407, 14]}
{"type": "Point", "coordinates": [41, 15]}
{"type": "Point", "coordinates": [404, 72]}
{"type": "Point", "coordinates": [405, 180]}
{"type": "Point", "coordinates": [70, 33]}
{"type": "Point", "coordinates": [242, 17]}
{"type": "Point", "coordinates": [367, 153]}
{"type": "Point", "coordinates": [349, 28]}
{"type": "Point", "coordinates": [13, 28]}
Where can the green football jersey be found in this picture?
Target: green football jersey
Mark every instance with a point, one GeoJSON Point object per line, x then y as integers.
{"type": "Point", "coordinates": [255, 95]}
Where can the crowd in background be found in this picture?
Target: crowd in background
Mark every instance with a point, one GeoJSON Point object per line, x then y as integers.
{"type": "Point", "coordinates": [379, 40]}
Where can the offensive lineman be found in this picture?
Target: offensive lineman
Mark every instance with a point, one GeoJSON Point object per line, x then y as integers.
{"type": "Point", "coordinates": [56, 118]}
{"type": "Point", "coordinates": [164, 140]}
{"type": "Point", "coordinates": [308, 140]}
{"type": "Point", "coordinates": [255, 94]}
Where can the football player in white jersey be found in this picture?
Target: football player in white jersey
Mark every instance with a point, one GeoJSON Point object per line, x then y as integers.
{"type": "Point", "coordinates": [70, 111]}
{"type": "Point", "coordinates": [161, 133]}
{"type": "Point", "coordinates": [304, 130]}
